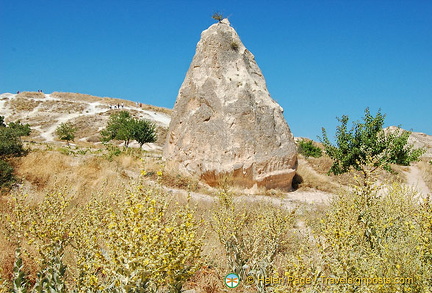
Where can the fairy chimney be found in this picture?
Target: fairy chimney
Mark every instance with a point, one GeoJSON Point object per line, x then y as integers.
{"type": "Point", "coordinates": [224, 123]}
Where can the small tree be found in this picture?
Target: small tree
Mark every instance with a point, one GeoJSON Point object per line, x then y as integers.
{"type": "Point", "coordinates": [66, 131]}
{"type": "Point", "coordinates": [10, 138]}
{"type": "Point", "coordinates": [122, 126]}
{"type": "Point", "coordinates": [10, 146]}
{"type": "Point", "coordinates": [308, 149]}
{"type": "Point", "coordinates": [368, 145]}
{"type": "Point", "coordinates": [6, 174]}
{"type": "Point", "coordinates": [10, 143]}
{"type": "Point", "coordinates": [217, 16]}
{"type": "Point", "coordinates": [20, 129]}
{"type": "Point", "coordinates": [144, 131]}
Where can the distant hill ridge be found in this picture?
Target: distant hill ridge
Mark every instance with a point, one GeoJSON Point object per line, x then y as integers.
{"type": "Point", "coordinates": [44, 112]}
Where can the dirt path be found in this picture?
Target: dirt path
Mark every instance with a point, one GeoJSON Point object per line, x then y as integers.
{"type": "Point", "coordinates": [289, 201]}
{"type": "Point", "coordinates": [48, 127]}
{"type": "Point", "coordinates": [415, 180]}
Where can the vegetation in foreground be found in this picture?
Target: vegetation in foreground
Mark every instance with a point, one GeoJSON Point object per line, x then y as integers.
{"type": "Point", "coordinates": [147, 239]}
{"type": "Point", "coordinates": [374, 237]}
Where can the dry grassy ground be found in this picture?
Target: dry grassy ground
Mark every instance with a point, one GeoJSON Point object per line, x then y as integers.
{"type": "Point", "coordinates": [89, 171]}
{"type": "Point", "coordinates": [312, 173]}
{"type": "Point", "coordinates": [107, 100]}
{"type": "Point", "coordinates": [308, 223]}
{"type": "Point", "coordinates": [426, 167]}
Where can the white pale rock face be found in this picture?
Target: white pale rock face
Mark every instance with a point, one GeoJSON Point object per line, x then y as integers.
{"type": "Point", "coordinates": [224, 123]}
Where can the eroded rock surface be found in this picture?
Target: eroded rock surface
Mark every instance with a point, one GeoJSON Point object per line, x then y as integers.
{"type": "Point", "coordinates": [224, 123]}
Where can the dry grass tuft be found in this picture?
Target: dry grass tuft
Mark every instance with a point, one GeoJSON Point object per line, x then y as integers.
{"type": "Point", "coordinates": [63, 107]}
{"type": "Point", "coordinates": [207, 279]}
{"type": "Point", "coordinates": [88, 126]}
{"type": "Point", "coordinates": [321, 165]}
{"type": "Point", "coordinates": [312, 173]}
{"type": "Point", "coordinates": [108, 101]}
{"type": "Point", "coordinates": [308, 177]}
{"type": "Point", "coordinates": [76, 97]}
{"type": "Point", "coordinates": [157, 109]}
{"type": "Point", "coordinates": [87, 174]}
{"type": "Point", "coordinates": [30, 95]}
{"type": "Point", "coordinates": [181, 182]}
{"type": "Point", "coordinates": [23, 104]}
{"type": "Point", "coordinates": [425, 166]}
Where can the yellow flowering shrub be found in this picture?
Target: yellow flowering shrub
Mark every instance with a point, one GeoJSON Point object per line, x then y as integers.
{"type": "Point", "coordinates": [45, 225]}
{"type": "Point", "coordinates": [425, 225]}
{"type": "Point", "coordinates": [3, 284]}
{"type": "Point", "coordinates": [252, 235]}
{"type": "Point", "coordinates": [42, 230]}
{"type": "Point", "coordinates": [376, 233]}
{"type": "Point", "coordinates": [301, 263]}
{"type": "Point", "coordinates": [137, 242]}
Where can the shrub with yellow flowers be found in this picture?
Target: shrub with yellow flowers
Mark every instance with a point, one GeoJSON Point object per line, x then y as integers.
{"type": "Point", "coordinates": [3, 284]}
{"type": "Point", "coordinates": [375, 238]}
{"type": "Point", "coordinates": [425, 244]}
{"type": "Point", "coordinates": [43, 227]}
{"type": "Point", "coordinates": [251, 237]}
{"type": "Point", "coordinates": [139, 241]}
{"type": "Point", "coordinates": [375, 232]}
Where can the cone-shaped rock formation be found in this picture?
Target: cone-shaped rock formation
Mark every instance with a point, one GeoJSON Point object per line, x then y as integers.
{"type": "Point", "coordinates": [224, 123]}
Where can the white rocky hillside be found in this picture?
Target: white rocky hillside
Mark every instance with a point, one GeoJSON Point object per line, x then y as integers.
{"type": "Point", "coordinates": [44, 112]}
{"type": "Point", "coordinates": [419, 140]}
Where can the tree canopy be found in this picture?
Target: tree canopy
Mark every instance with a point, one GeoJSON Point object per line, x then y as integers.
{"type": "Point", "coordinates": [368, 144]}
{"type": "Point", "coordinates": [10, 138]}
{"type": "Point", "coordinates": [66, 131]}
{"type": "Point", "coordinates": [144, 131]}
{"type": "Point", "coordinates": [10, 146]}
{"type": "Point", "coordinates": [122, 126]}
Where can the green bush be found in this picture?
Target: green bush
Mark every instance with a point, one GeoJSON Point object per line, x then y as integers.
{"type": "Point", "coordinates": [10, 143]}
{"type": "Point", "coordinates": [6, 174]}
{"type": "Point", "coordinates": [10, 146]}
{"type": "Point", "coordinates": [10, 138]}
{"type": "Point", "coordinates": [367, 144]}
{"type": "Point", "coordinates": [234, 46]}
{"type": "Point", "coordinates": [144, 131]}
{"type": "Point", "coordinates": [20, 129]}
{"type": "Point", "coordinates": [66, 131]}
{"type": "Point", "coordinates": [122, 126]}
{"type": "Point", "coordinates": [308, 149]}
{"type": "Point", "coordinates": [112, 151]}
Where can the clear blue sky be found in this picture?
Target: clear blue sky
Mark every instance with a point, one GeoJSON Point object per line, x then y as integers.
{"type": "Point", "coordinates": [321, 59]}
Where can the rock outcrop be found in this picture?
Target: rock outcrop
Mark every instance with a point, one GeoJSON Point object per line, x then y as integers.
{"type": "Point", "coordinates": [224, 123]}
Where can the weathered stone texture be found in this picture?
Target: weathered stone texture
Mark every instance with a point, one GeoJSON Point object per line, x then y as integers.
{"type": "Point", "coordinates": [224, 121]}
